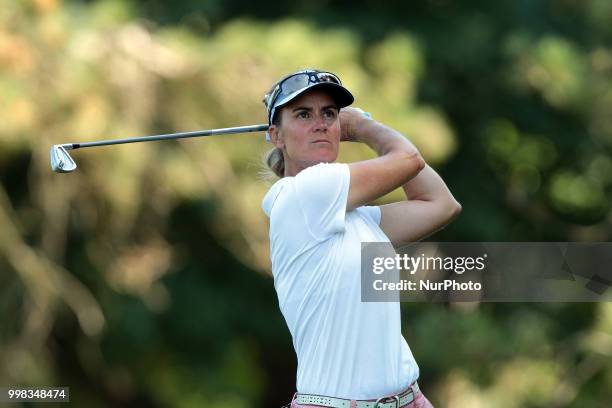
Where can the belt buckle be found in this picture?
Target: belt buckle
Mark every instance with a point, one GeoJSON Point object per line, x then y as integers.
{"type": "Point", "coordinates": [382, 401]}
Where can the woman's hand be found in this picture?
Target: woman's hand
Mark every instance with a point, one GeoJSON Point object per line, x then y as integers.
{"type": "Point", "coordinates": [351, 121]}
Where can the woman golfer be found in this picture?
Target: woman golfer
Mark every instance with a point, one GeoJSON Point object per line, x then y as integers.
{"type": "Point", "coordinates": [350, 353]}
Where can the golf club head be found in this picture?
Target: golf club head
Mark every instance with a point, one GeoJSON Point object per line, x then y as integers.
{"type": "Point", "coordinates": [61, 162]}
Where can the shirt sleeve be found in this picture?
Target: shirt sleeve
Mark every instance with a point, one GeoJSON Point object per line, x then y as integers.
{"type": "Point", "coordinates": [322, 193]}
{"type": "Point", "coordinates": [372, 212]}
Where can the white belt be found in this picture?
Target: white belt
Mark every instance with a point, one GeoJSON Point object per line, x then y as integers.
{"type": "Point", "coordinates": [394, 401]}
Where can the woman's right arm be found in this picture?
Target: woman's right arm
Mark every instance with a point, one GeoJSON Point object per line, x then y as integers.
{"type": "Point", "coordinates": [398, 161]}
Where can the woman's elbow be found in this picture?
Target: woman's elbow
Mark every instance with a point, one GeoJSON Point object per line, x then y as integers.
{"type": "Point", "coordinates": [453, 210]}
{"type": "Point", "coordinates": [415, 162]}
{"type": "Point", "coordinates": [448, 210]}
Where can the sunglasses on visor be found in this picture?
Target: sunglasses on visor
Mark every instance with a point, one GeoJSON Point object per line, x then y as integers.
{"type": "Point", "coordinates": [295, 82]}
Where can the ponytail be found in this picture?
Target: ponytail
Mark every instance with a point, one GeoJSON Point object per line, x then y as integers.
{"type": "Point", "coordinates": [276, 162]}
{"type": "Point", "coordinates": [274, 159]}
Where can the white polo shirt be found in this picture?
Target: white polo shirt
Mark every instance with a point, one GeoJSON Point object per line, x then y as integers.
{"type": "Point", "coordinates": [345, 348]}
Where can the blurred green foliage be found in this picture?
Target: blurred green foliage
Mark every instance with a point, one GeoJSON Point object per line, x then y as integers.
{"type": "Point", "coordinates": [142, 279]}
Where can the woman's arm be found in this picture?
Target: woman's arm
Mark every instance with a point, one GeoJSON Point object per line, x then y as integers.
{"type": "Point", "coordinates": [398, 160]}
{"type": "Point", "coordinates": [429, 205]}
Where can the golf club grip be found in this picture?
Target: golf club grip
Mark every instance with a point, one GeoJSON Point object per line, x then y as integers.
{"type": "Point", "coordinates": [181, 135]}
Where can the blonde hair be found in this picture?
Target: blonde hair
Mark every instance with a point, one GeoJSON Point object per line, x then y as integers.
{"type": "Point", "coordinates": [273, 160]}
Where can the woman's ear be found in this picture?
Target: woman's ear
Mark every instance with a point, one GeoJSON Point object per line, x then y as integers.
{"type": "Point", "coordinates": [276, 137]}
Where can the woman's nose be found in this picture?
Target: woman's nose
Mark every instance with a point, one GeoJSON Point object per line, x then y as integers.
{"type": "Point", "coordinates": [321, 122]}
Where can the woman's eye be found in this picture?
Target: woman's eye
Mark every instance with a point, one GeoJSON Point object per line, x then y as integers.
{"type": "Point", "coordinates": [330, 114]}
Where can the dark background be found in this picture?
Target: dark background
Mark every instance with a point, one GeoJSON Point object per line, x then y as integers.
{"type": "Point", "coordinates": [143, 278]}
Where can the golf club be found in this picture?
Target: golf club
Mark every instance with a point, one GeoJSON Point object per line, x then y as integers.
{"type": "Point", "coordinates": [61, 162]}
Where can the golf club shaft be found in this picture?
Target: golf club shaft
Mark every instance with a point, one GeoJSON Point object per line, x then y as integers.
{"type": "Point", "coordinates": [181, 135]}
